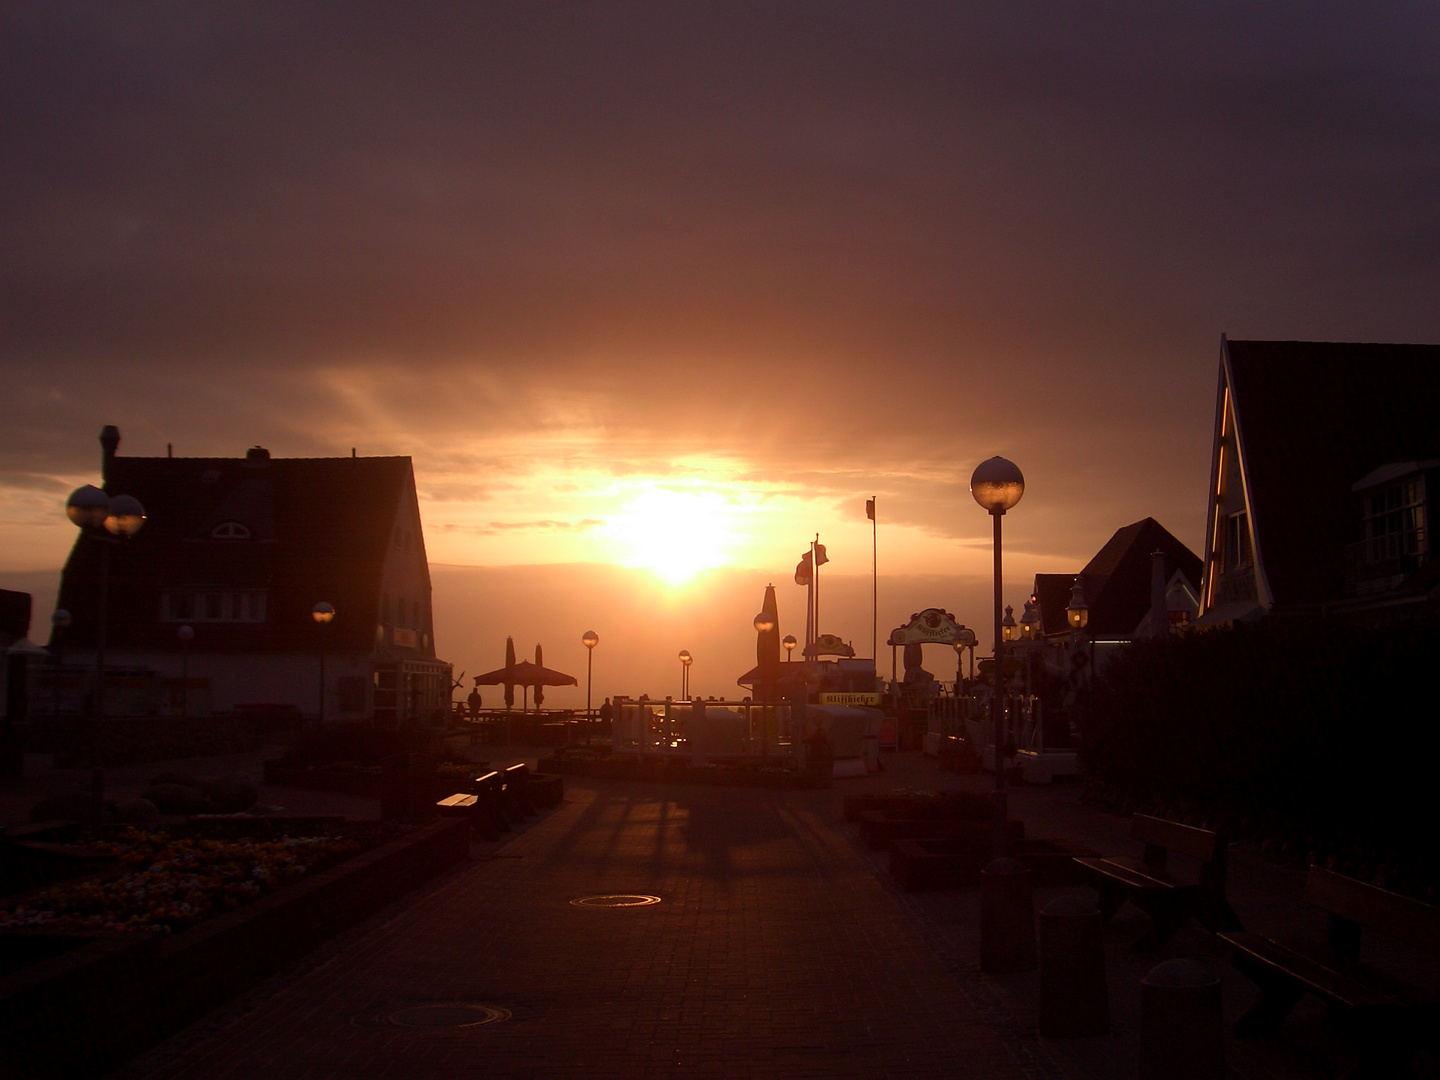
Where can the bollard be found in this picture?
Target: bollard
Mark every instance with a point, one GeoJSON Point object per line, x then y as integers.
{"type": "Point", "coordinates": [1074, 999]}
{"type": "Point", "coordinates": [1181, 1037]}
{"type": "Point", "coordinates": [1007, 917]}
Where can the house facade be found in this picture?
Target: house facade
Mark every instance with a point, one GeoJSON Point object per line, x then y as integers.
{"type": "Point", "coordinates": [240, 551]}
{"type": "Point", "coordinates": [1323, 460]}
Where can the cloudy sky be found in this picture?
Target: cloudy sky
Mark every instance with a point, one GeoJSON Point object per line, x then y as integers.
{"type": "Point", "coordinates": [675, 286]}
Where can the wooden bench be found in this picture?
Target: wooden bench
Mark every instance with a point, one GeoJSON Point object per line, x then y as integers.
{"type": "Point", "coordinates": [1385, 1017]}
{"type": "Point", "coordinates": [1150, 884]}
{"type": "Point", "coordinates": [515, 797]}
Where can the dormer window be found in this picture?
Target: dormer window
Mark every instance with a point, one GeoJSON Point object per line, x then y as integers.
{"type": "Point", "coordinates": [230, 530]}
{"type": "Point", "coordinates": [1395, 522]}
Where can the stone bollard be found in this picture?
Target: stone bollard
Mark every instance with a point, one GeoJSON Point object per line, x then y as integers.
{"type": "Point", "coordinates": [1074, 999]}
{"type": "Point", "coordinates": [1181, 1034]}
{"type": "Point", "coordinates": [1007, 917]}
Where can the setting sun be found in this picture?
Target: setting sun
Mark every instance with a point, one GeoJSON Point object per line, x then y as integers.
{"type": "Point", "coordinates": [672, 533]}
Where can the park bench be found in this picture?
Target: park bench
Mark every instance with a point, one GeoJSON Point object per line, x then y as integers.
{"type": "Point", "coordinates": [1151, 884]}
{"type": "Point", "coordinates": [1385, 1017]}
{"type": "Point", "coordinates": [515, 797]}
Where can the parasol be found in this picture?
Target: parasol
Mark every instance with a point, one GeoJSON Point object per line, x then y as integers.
{"type": "Point", "coordinates": [523, 673]}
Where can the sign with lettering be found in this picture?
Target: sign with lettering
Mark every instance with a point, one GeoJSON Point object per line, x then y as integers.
{"type": "Point", "coordinates": [834, 698]}
{"type": "Point", "coordinates": [932, 625]}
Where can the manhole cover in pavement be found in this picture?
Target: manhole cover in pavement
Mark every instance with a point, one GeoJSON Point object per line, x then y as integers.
{"type": "Point", "coordinates": [616, 900]}
{"type": "Point", "coordinates": [448, 1014]}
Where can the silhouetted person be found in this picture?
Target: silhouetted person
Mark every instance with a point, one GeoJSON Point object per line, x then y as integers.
{"type": "Point", "coordinates": [607, 714]}
{"type": "Point", "coordinates": [474, 702]}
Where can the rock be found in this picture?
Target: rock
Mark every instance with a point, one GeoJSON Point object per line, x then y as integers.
{"type": "Point", "coordinates": [178, 799]}
{"type": "Point", "coordinates": [136, 811]}
{"type": "Point", "coordinates": [233, 794]}
{"type": "Point", "coordinates": [64, 806]}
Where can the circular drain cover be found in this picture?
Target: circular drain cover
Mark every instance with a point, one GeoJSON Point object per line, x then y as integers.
{"type": "Point", "coordinates": [448, 1014]}
{"type": "Point", "coordinates": [616, 900]}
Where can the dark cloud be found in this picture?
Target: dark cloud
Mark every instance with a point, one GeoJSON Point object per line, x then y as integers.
{"type": "Point", "coordinates": [840, 242]}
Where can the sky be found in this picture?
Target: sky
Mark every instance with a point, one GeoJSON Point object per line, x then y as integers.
{"type": "Point", "coordinates": [652, 293]}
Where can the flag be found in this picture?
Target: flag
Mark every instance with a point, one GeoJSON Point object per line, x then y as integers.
{"type": "Point", "coordinates": [820, 557]}
{"type": "Point", "coordinates": [804, 571]}
{"type": "Point", "coordinates": [870, 509]}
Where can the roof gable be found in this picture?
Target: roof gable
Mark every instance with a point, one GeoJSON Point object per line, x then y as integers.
{"type": "Point", "coordinates": [1312, 419]}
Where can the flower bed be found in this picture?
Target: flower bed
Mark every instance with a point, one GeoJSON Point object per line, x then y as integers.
{"type": "Point", "coordinates": [171, 882]}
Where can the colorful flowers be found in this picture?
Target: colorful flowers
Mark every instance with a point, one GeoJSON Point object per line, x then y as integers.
{"type": "Point", "coordinates": [172, 882]}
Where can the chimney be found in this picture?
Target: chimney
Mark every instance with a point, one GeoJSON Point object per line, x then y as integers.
{"type": "Point", "coordinates": [1158, 607]}
{"type": "Point", "coordinates": [109, 443]}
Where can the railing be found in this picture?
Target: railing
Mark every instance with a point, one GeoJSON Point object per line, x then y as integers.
{"type": "Point", "coordinates": [703, 730]}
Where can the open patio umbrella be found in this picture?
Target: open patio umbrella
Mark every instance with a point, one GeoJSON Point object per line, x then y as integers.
{"type": "Point", "coordinates": [524, 674]}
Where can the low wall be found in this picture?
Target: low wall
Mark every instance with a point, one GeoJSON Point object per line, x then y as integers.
{"type": "Point", "coordinates": [86, 1011]}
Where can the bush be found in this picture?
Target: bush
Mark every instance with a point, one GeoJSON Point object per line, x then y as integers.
{"type": "Point", "coordinates": [1317, 739]}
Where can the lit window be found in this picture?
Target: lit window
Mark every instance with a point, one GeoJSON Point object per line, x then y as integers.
{"type": "Point", "coordinates": [1237, 541]}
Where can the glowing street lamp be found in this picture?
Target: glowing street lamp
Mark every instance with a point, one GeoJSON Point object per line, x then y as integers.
{"type": "Point", "coordinates": [685, 661]}
{"type": "Point", "coordinates": [91, 510]}
{"type": "Point", "coordinates": [590, 639]}
{"type": "Point", "coordinates": [997, 485]}
{"type": "Point", "coordinates": [323, 613]}
{"type": "Point", "coordinates": [1008, 629]}
{"type": "Point", "coordinates": [1030, 621]}
{"type": "Point", "coordinates": [789, 642]}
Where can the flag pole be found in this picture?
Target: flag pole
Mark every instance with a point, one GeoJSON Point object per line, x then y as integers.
{"type": "Point", "coordinates": [874, 581]}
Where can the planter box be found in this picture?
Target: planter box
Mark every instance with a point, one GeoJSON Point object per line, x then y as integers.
{"type": "Point", "coordinates": [953, 862]}
{"type": "Point", "coordinates": [89, 1008]}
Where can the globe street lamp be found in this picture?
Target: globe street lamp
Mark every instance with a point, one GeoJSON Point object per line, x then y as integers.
{"type": "Point", "coordinates": [590, 639]}
{"type": "Point", "coordinates": [789, 642]}
{"type": "Point", "coordinates": [59, 623]}
{"type": "Point", "coordinates": [91, 510]}
{"type": "Point", "coordinates": [323, 613]}
{"type": "Point", "coordinates": [186, 634]}
{"type": "Point", "coordinates": [685, 661]}
{"type": "Point", "coordinates": [997, 486]}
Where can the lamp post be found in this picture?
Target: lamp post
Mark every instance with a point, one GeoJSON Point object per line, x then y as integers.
{"type": "Point", "coordinates": [997, 486]}
{"type": "Point", "coordinates": [789, 642]}
{"type": "Point", "coordinates": [1077, 613]}
{"type": "Point", "coordinates": [589, 640]}
{"type": "Point", "coordinates": [90, 509]}
{"type": "Point", "coordinates": [186, 634]}
{"type": "Point", "coordinates": [685, 661]}
{"type": "Point", "coordinates": [323, 613]}
{"type": "Point", "coordinates": [59, 623]}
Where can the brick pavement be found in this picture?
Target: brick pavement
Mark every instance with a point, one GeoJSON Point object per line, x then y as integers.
{"type": "Point", "coordinates": [775, 951]}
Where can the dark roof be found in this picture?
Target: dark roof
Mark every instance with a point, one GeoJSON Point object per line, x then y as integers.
{"type": "Point", "coordinates": [320, 529]}
{"type": "Point", "coordinates": [1313, 418]}
{"type": "Point", "coordinates": [1117, 579]}
{"type": "Point", "coordinates": [1116, 582]}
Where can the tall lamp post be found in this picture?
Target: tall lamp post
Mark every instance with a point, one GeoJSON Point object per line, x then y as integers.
{"type": "Point", "coordinates": [186, 634]}
{"type": "Point", "coordinates": [1078, 615]}
{"type": "Point", "coordinates": [589, 640]}
{"type": "Point", "coordinates": [764, 623]}
{"type": "Point", "coordinates": [323, 613]}
{"type": "Point", "coordinates": [90, 509]}
{"type": "Point", "coordinates": [59, 623]}
{"type": "Point", "coordinates": [685, 661]}
{"type": "Point", "coordinates": [789, 642]}
{"type": "Point", "coordinates": [997, 485]}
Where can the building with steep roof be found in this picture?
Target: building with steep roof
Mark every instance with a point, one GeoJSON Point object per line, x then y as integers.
{"type": "Point", "coordinates": [1119, 585]}
{"type": "Point", "coordinates": [241, 550]}
{"type": "Point", "coordinates": [1323, 459]}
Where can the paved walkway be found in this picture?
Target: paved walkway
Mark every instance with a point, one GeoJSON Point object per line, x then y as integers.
{"type": "Point", "coordinates": [779, 947]}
